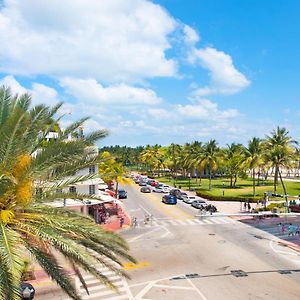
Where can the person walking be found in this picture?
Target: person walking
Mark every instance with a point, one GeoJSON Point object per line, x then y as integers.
{"type": "Point", "coordinates": [290, 229]}
{"type": "Point", "coordinates": [122, 221]}
{"type": "Point", "coordinates": [245, 206]}
{"type": "Point", "coordinates": [249, 207]}
{"type": "Point", "coordinates": [283, 229]}
{"type": "Point", "coordinates": [279, 228]}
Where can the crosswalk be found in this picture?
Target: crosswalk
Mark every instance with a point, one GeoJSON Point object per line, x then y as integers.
{"type": "Point", "coordinates": [97, 290]}
{"type": "Point", "coordinates": [187, 222]}
{"type": "Point", "coordinates": [279, 234]}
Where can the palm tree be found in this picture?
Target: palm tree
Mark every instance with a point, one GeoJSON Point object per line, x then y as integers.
{"type": "Point", "coordinates": [111, 170]}
{"type": "Point", "coordinates": [31, 174]}
{"type": "Point", "coordinates": [210, 158]}
{"type": "Point", "coordinates": [279, 147]}
{"type": "Point", "coordinates": [234, 161]}
{"type": "Point", "coordinates": [254, 156]}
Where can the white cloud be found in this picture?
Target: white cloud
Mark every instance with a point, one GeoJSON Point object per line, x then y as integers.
{"type": "Point", "coordinates": [190, 35]}
{"type": "Point", "coordinates": [40, 93]}
{"type": "Point", "coordinates": [205, 110]}
{"type": "Point", "coordinates": [224, 77]}
{"type": "Point", "coordinates": [90, 91]}
{"type": "Point", "coordinates": [109, 40]}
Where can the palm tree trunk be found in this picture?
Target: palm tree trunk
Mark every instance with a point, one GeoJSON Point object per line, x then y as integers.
{"type": "Point", "coordinates": [235, 180]}
{"type": "Point", "coordinates": [276, 178]}
{"type": "Point", "coordinates": [117, 188]}
{"type": "Point", "coordinates": [231, 180]}
{"type": "Point", "coordinates": [284, 189]}
{"type": "Point", "coordinates": [209, 177]}
{"type": "Point", "coordinates": [253, 177]}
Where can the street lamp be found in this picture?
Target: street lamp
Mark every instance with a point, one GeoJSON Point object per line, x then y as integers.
{"type": "Point", "coordinates": [223, 192]}
{"type": "Point", "coordinates": [189, 181]}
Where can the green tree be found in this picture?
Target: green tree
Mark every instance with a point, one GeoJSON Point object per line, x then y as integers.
{"type": "Point", "coordinates": [254, 157]}
{"type": "Point", "coordinates": [31, 175]}
{"type": "Point", "coordinates": [279, 149]}
{"type": "Point", "coordinates": [234, 161]}
{"type": "Point", "coordinates": [211, 158]}
{"type": "Point", "coordinates": [111, 170]}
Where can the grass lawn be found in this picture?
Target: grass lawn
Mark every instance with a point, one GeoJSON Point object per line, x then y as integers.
{"type": "Point", "coordinates": [243, 188]}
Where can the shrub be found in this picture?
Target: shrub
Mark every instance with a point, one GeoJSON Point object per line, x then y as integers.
{"type": "Point", "coordinates": [227, 198]}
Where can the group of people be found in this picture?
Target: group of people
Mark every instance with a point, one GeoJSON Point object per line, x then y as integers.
{"type": "Point", "coordinates": [247, 206]}
{"type": "Point", "coordinates": [290, 229]}
{"type": "Point", "coordinates": [147, 219]}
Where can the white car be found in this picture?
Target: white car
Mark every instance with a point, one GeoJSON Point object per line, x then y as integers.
{"type": "Point", "coordinates": [160, 190]}
{"type": "Point", "coordinates": [189, 199]}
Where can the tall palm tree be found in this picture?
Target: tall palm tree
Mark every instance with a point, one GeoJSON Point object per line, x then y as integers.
{"type": "Point", "coordinates": [210, 158]}
{"type": "Point", "coordinates": [279, 147]}
{"type": "Point", "coordinates": [234, 161]}
{"type": "Point", "coordinates": [31, 174]}
{"type": "Point", "coordinates": [254, 156]}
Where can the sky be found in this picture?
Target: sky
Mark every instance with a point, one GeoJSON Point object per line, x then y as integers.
{"type": "Point", "coordinates": [158, 72]}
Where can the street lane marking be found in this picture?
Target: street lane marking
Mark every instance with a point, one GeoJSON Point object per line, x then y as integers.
{"type": "Point", "coordinates": [197, 290]}
{"type": "Point", "coordinates": [131, 266]}
{"type": "Point", "coordinates": [173, 211]}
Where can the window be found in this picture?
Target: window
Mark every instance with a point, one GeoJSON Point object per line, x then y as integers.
{"type": "Point", "coordinates": [92, 170]}
{"type": "Point", "coordinates": [92, 189]}
{"type": "Point", "coordinates": [72, 189]}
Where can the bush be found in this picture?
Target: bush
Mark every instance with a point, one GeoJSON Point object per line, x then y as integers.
{"type": "Point", "coordinates": [227, 198]}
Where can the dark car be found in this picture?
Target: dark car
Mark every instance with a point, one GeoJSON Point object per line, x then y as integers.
{"type": "Point", "coordinates": [182, 195]}
{"type": "Point", "coordinates": [145, 189]}
{"type": "Point", "coordinates": [122, 194]}
{"type": "Point", "coordinates": [175, 192]}
{"type": "Point", "coordinates": [169, 199]}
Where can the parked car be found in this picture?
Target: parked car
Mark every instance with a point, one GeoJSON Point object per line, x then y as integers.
{"type": "Point", "coordinates": [169, 199]}
{"type": "Point", "coordinates": [199, 204]}
{"type": "Point", "coordinates": [160, 190]}
{"type": "Point", "coordinates": [181, 195]}
{"type": "Point", "coordinates": [189, 199]}
{"type": "Point", "coordinates": [145, 189]}
{"type": "Point", "coordinates": [154, 183]}
{"type": "Point", "coordinates": [142, 183]}
{"type": "Point", "coordinates": [149, 181]}
{"type": "Point", "coordinates": [122, 194]}
{"type": "Point", "coordinates": [175, 192]}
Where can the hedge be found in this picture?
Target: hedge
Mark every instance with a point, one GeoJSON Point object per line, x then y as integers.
{"type": "Point", "coordinates": [227, 198]}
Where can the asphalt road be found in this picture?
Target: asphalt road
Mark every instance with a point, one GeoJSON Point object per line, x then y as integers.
{"type": "Point", "coordinates": [181, 257]}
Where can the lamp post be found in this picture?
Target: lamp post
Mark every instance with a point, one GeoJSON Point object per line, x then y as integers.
{"type": "Point", "coordinates": [223, 192]}
{"type": "Point", "coordinates": [189, 181]}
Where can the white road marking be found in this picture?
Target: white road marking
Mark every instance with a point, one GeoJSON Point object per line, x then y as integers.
{"type": "Point", "coordinates": [144, 291]}
{"type": "Point", "coordinates": [176, 287]}
{"type": "Point", "coordinates": [196, 289]}
{"type": "Point", "coordinates": [143, 234]}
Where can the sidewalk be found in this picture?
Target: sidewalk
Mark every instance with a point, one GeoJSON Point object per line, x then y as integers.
{"type": "Point", "coordinates": [113, 222]}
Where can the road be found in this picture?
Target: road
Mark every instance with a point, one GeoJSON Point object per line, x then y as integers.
{"type": "Point", "coordinates": [177, 244]}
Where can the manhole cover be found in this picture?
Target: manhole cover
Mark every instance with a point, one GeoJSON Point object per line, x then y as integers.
{"type": "Point", "coordinates": [284, 272]}
{"type": "Point", "coordinates": [238, 273]}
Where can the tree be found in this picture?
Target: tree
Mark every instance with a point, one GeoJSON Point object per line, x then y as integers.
{"type": "Point", "coordinates": [31, 175]}
{"type": "Point", "coordinates": [234, 161]}
{"type": "Point", "coordinates": [279, 148]}
{"type": "Point", "coordinates": [111, 170]}
{"type": "Point", "coordinates": [254, 157]}
{"type": "Point", "coordinates": [211, 157]}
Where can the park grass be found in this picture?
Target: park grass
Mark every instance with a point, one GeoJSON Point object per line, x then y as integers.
{"type": "Point", "coordinates": [243, 188]}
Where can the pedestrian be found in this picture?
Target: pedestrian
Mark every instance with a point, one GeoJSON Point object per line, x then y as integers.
{"type": "Point", "coordinates": [279, 228]}
{"type": "Point", "coordinates": [298, 230]}
{"type": "Point", "coordinates": [245, 206]}
{"type": "Point", "coordinates": [249, 206]}
{"type": "Point", "coordinates": [290, 229]}
{"type": "Point", "coordinates": [282, 228]}
{"type": "Point", "coordinates": [122, 221]}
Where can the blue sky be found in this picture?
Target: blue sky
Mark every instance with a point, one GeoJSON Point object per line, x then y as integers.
{"type": "Point", "coordinates": [158, 71]}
